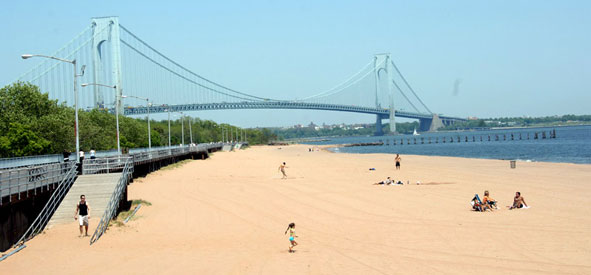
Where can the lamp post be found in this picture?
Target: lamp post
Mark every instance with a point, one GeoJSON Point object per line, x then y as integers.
{"type": "Point", "coordinates": [182, 129]}
{"type": "Point", "coordinates": [168, 110]}
{"type": "Point", "coordinates": [147, 106]}
{"type": "Point", "coordinates": [116, 109]}
{"type": "Point", "coordinates": [190, 130]}
{"type": "Point", "coordinates": [73, 62]}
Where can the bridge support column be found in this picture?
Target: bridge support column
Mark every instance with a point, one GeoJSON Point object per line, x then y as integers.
{"type": "Point", "coordinates": [106, 29]}
{"type": "Point", "coordinates": [430, 124]}
{"type": "Point", "coordinates": [379, 131]}
{"type": "Point", "coordinates": [381, 67]}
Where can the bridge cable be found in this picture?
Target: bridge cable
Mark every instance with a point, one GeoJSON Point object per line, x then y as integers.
{"type": "Point", "coordinates": [396, 85]}
{"type": "Point", "coordinates": [54, 54]}
{"type": "Point", "coordinates": [408, 85]}
{"type": "Point", "coordinates": [189, 71]}
{"type": "Point", "coordinates": [342, 83]}
{"type": "Point", "coordinates": [352, 83]}
{"type": "Point", "coordinates": [177, 74]}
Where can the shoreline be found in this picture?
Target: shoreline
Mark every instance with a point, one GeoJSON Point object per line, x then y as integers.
{"type": "Point", "coordinates": [329, 146]}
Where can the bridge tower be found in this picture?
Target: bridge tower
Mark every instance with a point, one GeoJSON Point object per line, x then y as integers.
{"type": "Point", "coordinates": [383, 72]}
{"type": "Point", "coordinates": [105, 31]}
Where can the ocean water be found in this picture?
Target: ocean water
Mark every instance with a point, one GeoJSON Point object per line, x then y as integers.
{"type": "Point", "coordinates": [571, 145]}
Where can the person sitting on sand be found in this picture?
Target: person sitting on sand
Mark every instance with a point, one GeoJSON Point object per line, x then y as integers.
{"type": "Point", "coordinates": [476, 203]}
{"type": "Point", "coordinates": [488, 201]}
{"type": "Point", "coordinates": [292, 236]}
{"type": "Point", "coordinates": [479, 205]}
{"type": "Point", "coordinates": [518, 201]}
{"type": "Point", "coordinates": [388, 181]}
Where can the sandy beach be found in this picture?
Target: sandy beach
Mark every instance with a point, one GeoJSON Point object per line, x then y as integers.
{"type": "Point", "coordinates": [228, 214]}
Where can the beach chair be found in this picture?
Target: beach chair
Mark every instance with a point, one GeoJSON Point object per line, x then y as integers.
{"type": "Point", "coordinates": [477, 203]}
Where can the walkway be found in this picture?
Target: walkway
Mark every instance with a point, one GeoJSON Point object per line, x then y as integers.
{"type": "Point", "coordinates": [98, 190]}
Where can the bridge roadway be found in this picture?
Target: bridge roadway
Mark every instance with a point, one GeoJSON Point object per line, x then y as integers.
{"type": "Point", "coordinates": [380, 112]}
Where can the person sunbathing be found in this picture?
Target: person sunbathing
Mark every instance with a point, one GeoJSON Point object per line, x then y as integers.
{"type": "Point", "coordinates": [388, 181]}
{"type": "Point", "coordinates": [488, 201]}
{"type": "Point", "coordinates": [518, 201]}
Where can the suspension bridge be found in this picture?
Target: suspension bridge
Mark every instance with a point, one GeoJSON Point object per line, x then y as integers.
{"type": "Point", "coordinates": [126, 66]}
{"type": "Point", "coordinates": [112, 64]}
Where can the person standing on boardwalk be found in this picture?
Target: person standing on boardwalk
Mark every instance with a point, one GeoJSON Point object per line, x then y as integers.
{"type": "Point", "coordinates": [398, 160]}
{"type": "Point", "coordinates": [82, 214]}
{"type": "Point", "coordinates": [292, 236]}
{"type": "Point", "coordinates": [282, 169]}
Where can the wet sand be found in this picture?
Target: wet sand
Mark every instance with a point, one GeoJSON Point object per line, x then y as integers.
{"type": "Point", "coordinates": [228, 215]}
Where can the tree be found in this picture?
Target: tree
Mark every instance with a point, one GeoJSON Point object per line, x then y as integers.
{"type": "Point", "coordinates": [20, 141]}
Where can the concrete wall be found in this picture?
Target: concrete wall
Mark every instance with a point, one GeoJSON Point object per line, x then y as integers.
{"type": "Point", "coordinates": [16, 217]}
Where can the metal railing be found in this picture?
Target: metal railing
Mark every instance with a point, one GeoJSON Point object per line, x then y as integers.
{"type": "Point", "coordinates": [10, 163]}
{"type": "Point", "coordinates": [23, 162]}
{"type": "Point", "coordinates": [54, 201]}
{"type": "Point", "coordinates": [104, 165]}
{"type": "Point", "coordinates": [114, 201]}
{"type": "Point", "coordinates": [22, 180]}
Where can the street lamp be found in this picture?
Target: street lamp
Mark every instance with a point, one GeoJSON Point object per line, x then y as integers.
{"type": "Point", "coordinates": [148, 106]}
{"type": "Point", "coordinates": [73, 62]}
{"type": "Point", "coordinates": [168, 110]}
{"type": "Point", "coordinates": [190, 131]}
{"type": "Point", "coordinates": [182, 129]}
{"type": "Point", "coordinates": [116, 109]}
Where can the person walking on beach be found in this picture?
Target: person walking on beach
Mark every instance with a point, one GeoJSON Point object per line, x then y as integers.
{"type": "Point", "coordinates": [518, 201]}
{"type": "Point", "coordinates": [292, 236]}
{"type": "Point", "coordinates": [82, 214]}
{"type": "Point", "coordinates": [282, 169]}
{"type": "Point", "coordinates": [398, 160]}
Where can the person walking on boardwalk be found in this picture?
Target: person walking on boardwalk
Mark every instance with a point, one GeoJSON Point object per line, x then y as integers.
{"type": "Point", "coordinates": [282, 169]}
{"type": "Point", "coordinates": [292, 236]}
{"type": "Point", "coordinates": [82, 214]}
{"type": "Point", "coordinates": [398, 160]}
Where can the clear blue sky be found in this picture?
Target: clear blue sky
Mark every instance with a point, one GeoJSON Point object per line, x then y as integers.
{"type": "Point", "coordinates": [514, 58]}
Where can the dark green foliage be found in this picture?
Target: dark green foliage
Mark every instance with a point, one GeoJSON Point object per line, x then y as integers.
{"type": "Point", "coordinates": [32, 124]}
{"type": "Point", "coordinates": [19, 141]}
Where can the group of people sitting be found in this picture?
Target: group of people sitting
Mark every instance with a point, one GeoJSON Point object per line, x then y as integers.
{"type": "Point", "coordinates": [488, 203]}
{"type": "Point", "coordinates": [388, 181]}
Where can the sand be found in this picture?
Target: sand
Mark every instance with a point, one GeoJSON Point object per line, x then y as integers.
{"type": "Point", "coordinates": [228, 215]}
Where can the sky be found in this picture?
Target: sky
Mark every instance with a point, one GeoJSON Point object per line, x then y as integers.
{"type": "Point", "coordinates": [463, 58]}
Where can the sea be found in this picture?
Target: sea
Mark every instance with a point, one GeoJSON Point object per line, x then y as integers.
{"type": "Point", "coordinates": [571, 144]}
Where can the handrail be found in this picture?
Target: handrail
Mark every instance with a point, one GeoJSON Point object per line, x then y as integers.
{"type": "Point", "coordinates": [113, 202]}
{"type": "Point", "coordinates": [104, 165]}
{"type": "Point", "coordinates": [11, 163]}
{"type": "Point", "coordinates": [21, 180]}
{"type": "Point", "coordinates": [54, 201]}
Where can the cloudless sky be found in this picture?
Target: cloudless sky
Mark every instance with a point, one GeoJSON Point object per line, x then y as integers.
{"type": "Point", "coordinates": [511, 58]}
